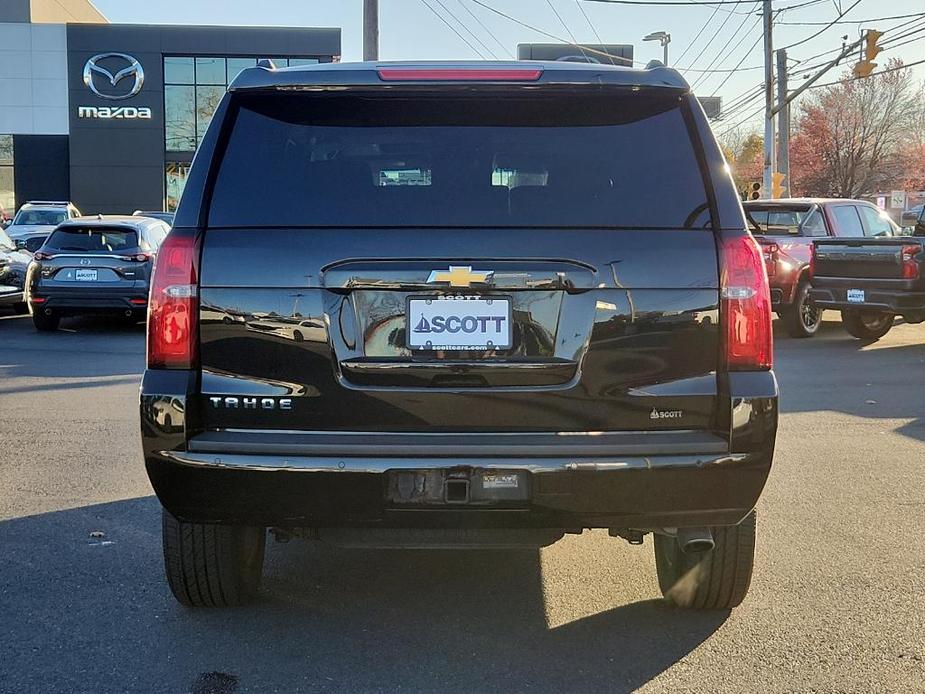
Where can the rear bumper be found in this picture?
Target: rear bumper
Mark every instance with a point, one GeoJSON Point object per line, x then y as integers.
{"type": "Point", "coordinates": [889, 300]}
{"type": "Point", "coordinates": [566, 492]}
{"type": "Point", "coordinates": [642, 479]}
{"type": "Point", "coordinates": [73, 301]}
{"type": "Point", "coordinates": [10, 296]}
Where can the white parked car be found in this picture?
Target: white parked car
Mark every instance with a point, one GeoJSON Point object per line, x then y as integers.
{"type": "Point", "coordinates": [39, 218]}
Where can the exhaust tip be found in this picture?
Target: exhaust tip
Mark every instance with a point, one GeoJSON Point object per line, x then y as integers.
{"type": "Point", "coordinates": [695, 540]}
{"type": "Point", "coordinates": [47, 311]}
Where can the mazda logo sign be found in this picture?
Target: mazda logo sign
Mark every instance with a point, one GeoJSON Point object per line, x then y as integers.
{"type": "Point", "coordinates": [132, 69]}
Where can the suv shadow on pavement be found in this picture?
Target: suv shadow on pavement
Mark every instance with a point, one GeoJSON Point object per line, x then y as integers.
{"type": "Point", "coordinates": [93, 614]}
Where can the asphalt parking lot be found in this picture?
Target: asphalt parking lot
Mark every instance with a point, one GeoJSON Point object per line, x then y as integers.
{"type": "Point", "coordinates": [836, 603]}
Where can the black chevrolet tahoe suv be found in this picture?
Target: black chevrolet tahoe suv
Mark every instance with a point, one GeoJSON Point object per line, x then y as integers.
{"type": "Point", "coordinates": [459, 305]}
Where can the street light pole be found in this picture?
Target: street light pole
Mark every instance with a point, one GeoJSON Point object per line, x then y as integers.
{"type": "Point", "coordinates": [663, 38]}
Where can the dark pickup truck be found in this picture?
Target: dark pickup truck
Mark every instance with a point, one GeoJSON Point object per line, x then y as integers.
{"type": "Point", "coordinates": [870, 280]}
{"type": "Point", "coordinates": [459, 305]}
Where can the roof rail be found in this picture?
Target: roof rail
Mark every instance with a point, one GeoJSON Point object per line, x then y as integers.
{"type": "Point", "coordinates": [47, 202]}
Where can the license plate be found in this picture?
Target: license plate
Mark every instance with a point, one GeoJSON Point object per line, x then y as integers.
{"type": "Point", "coordinates": [856, 296]}
{"type": "Point", "coordinates": [458, 323]}
{"type": "Point", "coordinates": [508, 481]}
{"type": "Point", "coordinates": [85, 275]}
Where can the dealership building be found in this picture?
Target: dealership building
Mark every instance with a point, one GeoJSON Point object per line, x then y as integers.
{"type": "Point", "coordinates": [109, 115]}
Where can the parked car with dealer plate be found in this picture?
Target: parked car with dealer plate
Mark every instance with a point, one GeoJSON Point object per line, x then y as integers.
{"type": "Point", "coordinates": [512, 338]}
{"type": "Point", "coordinates": [786, 228]}
{"type": "Point", "coordinates": [94, 265]}
{"type": "Point", "coordinates": [871, 281]}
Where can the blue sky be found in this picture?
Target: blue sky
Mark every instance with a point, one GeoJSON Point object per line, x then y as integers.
{"type": "Point", "coordinates": [410, 30]}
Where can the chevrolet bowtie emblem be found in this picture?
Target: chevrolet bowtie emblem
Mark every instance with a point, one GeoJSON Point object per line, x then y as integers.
{"type": "Point", "coordinates": [460, 276]}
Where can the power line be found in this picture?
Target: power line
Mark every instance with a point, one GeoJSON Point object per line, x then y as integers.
{"type": "Point", "coordinates": [733, 71]}
{"type": "Point", "coordinates": [562, 22]}
{"type": "Point", "coordinates": [454, 30]}
{"type": "Point", "coordinates": [911, 32]}
{"type": "Point", "coordinates": [854, 21]}
{"type": "Point", "coordinates": [590, 23]}
{"type": "Point", "coordinates": [825, 28]}
{"type": "Point", "coordinates": [743, 104]}
{"type": "Point", "coordinates": [489, 31]}
{"type": "Point", "coordinates": [706, 3]}
{"type": "Point", "coordinates": [720, 55]}
{"type": "Point", "coordinates": [873, 74]}
{"type": "Point", "coordinates": [715, 34]}
{"type": "Point", "coordinates": [552, 36]}
{"type": "Point", "coordinates": [466, 28]}
{"type": "Point", "coordinates": [694, 40]}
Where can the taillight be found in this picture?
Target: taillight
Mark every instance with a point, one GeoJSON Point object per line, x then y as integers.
{"type": "Point", "coordinates": [173, 303]}
{"type": "Point", "coordinates": [812, 260]}
{"type": "Point", "coordinates": [909, 264]}
{"type": "Point", "coordinates": [745, 305]}
{"type": "Point", "coordinates": [442, 74]}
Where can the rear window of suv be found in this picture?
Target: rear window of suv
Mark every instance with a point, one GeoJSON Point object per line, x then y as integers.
{"type": "Point", "coordinates": [92, 239]}
{"type": "Point", "coordinates": [40, 217]}
{"type": "Point", "coordinates": [567, 159]}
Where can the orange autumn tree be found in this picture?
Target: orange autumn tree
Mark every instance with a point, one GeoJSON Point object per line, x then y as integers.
{"type": "Point", "coordinates": [853, 138]}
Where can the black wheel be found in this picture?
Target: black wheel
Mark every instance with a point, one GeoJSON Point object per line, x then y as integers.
{"type": "Point", "coordinates": [212, 565]}
{"type": "Point", "coordinates": [297, 336]}
{"type": "Point", "coordinates": [714, 580]}
{"type": "Point", "coordinates": [45, 323]}
{"type": "Point", "coordinates": [867, 325]}
{"type": "Point", "coordinates": [21, 308]}
{"type": "Point", "coordinates": [802, 319]}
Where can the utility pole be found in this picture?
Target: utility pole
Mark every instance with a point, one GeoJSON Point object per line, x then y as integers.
{"type": "Point", "coordinates": [769, 153]}
{"type": "Point", "coordinates": [370, 29]}
{"type": "Point", "coordinates": [783, 122]}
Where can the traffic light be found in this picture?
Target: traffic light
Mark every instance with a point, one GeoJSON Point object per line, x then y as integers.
{"type": "Point", "coordinates": [871, 51]}
{"type": "Point", "coordinates": [777, 185]}
{"type": "Point", "coordinates": [754, 192]}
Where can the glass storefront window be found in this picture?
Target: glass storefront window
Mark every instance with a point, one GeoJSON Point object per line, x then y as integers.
{"type": "Point", "coordinates": [179, 71]}
{"type": "Point", "coordinates": [175, 174]}
{"type": "Point", "coordinates": [193, 87]}
{"type": "Point", "coordinates": [207, 99]}
{"type": "Point", "coordinates": [7, 191]}
{"type": "Point", "coordinates": [210, 71]}
{"type": "Point", "coordinates": [235, 65]}
{"type": "Point", "coordinates": [180, 118]}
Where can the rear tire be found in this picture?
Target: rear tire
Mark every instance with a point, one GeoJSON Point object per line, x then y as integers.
{"type": "Point", "coordinates": [802, 319]}
{"type": "Point", "coordinates": [715, 580]}
{"type": "Point", "coordinates": [45, 323]}
{"type": "Point", "coordinates": [212, 565]}
{"type": "Point", "coordinates": [867, 325]}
